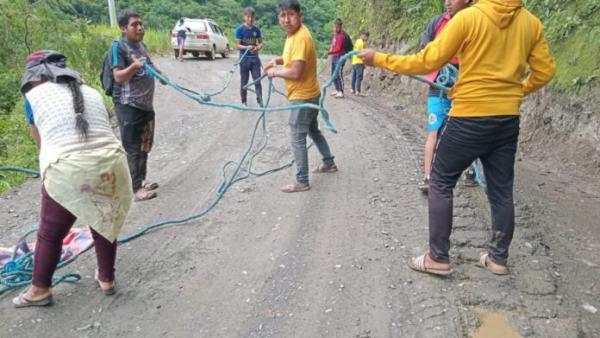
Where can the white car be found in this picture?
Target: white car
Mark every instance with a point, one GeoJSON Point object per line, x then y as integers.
{"type": "Point", "coordinates": [204, 36]}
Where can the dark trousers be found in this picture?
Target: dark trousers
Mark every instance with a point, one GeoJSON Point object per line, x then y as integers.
{"type": "Point", "coordinates": [357, 76]}
{"type": "Point", "coordinates": [56, 221]}
{"type": "Point", "coordinates": [250, 65]}
{"type": "Point", "coordinates": [462, 140]}
{"type": "Point", "coordinates": [136, 139]}
{"type": "Point", "coordinates": [339, 80]}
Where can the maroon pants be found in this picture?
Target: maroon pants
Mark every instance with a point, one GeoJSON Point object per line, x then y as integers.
{"type": "Point", "coordinates": [56, 221]}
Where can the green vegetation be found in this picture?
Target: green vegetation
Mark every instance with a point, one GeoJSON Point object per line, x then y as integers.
{"type": "Point", "coordinates": [161, 14]}
{"type": "Point", "coordinates": [572, 28]}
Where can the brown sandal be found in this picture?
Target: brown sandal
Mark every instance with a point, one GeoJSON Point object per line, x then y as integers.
{"type": "Point", "coordinates": [149, 185]}
{"type": "Point", "coordinates": [20, 301]}
{"type": "Point", "coordinates": [295, 187]}
{"type": "Point", "coordinates": [144, 195]}
{"type": "Point", "coordinates": [418, 264]}
{"type": "Point", "coordinates": [109, 291]}
{"type": "Point", "coordinates": [325, 169]}
{"type": "Point", "coordinates": [498, 269]}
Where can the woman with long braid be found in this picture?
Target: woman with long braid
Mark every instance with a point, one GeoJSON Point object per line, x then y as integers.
{"type": "Point", "coordinates": [83, 168]}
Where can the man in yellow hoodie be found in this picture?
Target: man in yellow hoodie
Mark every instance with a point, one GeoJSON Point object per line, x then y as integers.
{"type": "Point", "coordinates": [494, 40]}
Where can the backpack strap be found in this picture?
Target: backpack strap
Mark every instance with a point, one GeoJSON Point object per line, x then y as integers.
{"type": "Point", "coordinates": [114, 50]}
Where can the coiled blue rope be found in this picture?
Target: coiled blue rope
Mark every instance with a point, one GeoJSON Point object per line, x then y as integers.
{"type": "Point", "coordinates": [446, 79]}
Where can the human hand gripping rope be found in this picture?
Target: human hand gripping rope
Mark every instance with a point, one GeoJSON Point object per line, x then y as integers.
{"type": "Point", "coordinates": [17, 272]}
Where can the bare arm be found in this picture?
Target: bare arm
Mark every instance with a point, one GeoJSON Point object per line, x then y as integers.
{"type": "Point", "coordinates": [125, 74]}
{"type": "Point", "coordinates": [260, 44]}
{"type": "Point", "coordinates": [292, 73]}
{"type": "Point", "coordinates": [35, 134]}
{"type": "Point", "coordinates": [240, 46]}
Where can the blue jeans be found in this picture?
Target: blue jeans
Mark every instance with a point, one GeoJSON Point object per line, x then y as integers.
{"type": "Point", "coordinates": [247, 66]}
{"type": "Point", "coordinates": [357, 76]}
{"type": "Point", "coordinates": [339, 80]}
{"type": "Point", "coordinates": [303, 122]}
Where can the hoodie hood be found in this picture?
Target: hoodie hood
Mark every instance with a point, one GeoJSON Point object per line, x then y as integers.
{"type": "Point", "coordinates": [501, 12]}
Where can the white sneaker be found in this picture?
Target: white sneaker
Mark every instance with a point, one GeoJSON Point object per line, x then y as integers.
{"type": "Point", "coordinates": [339, 95]}
{"type": "Point", "coordinates": [333, 93]}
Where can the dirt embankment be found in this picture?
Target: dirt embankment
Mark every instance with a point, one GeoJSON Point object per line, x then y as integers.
{"type": "Point", "coordinates": [555, 127]}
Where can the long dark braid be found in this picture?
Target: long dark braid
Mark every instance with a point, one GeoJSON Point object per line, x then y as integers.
{"type": "Point", "coordinates": [80, 122]}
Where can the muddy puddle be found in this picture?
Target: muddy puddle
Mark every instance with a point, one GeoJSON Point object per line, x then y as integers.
{"type": "Point", "coordinates": [494, 325]}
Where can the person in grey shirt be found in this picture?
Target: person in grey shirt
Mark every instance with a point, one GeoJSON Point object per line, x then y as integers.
{"type": "Point", "coordinates": [133, 93]}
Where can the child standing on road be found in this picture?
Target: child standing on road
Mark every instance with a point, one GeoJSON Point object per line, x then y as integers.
{"type": "Point", "coordinates": [438, 104]}
{"type": "Point", "coordinates": [358, 67]}
{"type": "Point", "coordinates": [182, 30]}
{"type": "Point", "coordinates": [249, 42]}
{"type": "Point", "coordinates": [299, 71]}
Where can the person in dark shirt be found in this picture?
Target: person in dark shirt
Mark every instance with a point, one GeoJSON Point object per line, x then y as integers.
{"type": "Point", "coordinates": [438, 103]}
{"type": "Point", "coordinates": [133, 94]}
{"type": "Point", "coordinates": [337, 51]}
{"type": "Point", "coordinates": [249, 42]}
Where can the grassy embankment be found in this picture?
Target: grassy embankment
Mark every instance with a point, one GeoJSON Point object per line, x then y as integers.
{"type": "Point", "coordinates": [572, 29]}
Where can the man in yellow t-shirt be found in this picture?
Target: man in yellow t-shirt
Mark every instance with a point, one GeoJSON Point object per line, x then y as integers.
{"type": "Point", "coordinates": [495, 41]}
{"type": "Point", "coordinates": [358, 67]}
{"type": "Point", "coordinates": [299, 71]}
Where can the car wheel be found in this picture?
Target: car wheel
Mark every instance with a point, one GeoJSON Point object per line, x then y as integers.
{"type": "Point", "coordinates": [225, 54]}
{"type": "Point", "coordinates": [213, 54]}
{"type": "Point", "coordinates": [196, 54]}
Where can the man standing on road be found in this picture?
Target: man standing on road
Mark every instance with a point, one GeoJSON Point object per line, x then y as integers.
{"type": "Point", "coordinates": [299, 71]}
{"type": "Point", "coordinates": [495, 40]}
{"type": "Point", "coordinates": [133, 94]}
{"type": "Point", "coordinates": [337, 51]}
{"type": "Point", "coordinates": [249, 42]}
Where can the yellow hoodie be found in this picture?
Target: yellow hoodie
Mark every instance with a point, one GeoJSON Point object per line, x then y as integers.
{"type": "Point", "coordinates": [494, 41]}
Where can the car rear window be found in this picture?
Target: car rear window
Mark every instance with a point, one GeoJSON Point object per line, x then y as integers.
{"type": "Point", "coordinates": [196, 26]}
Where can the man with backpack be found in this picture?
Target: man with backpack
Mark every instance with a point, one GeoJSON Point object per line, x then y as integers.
{"type": "Point", "coordinates": [132, 91]}
{"type": "Point", "coordinates": [340, 45]}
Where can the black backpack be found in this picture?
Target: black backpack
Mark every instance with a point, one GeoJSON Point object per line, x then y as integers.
{"type": "Point", "coordinates": [348, 45]}
{"type": "Point", "coordinates": [106, 75]}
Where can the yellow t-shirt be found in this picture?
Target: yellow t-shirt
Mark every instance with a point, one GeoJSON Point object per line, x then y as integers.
{"type": "Point", "coordinates": [358, 46]}
{"type": "Point", "coordinates": [301, 47]}
{"type": "Point", "coordinates": [495, 41]}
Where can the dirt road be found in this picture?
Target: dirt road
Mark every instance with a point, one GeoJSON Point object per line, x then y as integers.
{"type": "Point", "coordinates": [326, 263]}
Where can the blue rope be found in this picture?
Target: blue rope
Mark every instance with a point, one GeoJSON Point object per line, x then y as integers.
{"type": "Point", "coordinates": [447, 78]}
{"type": "Point", "coordinates": [31, 172]}
{"type": "Point", "coordinates": [18, 271]}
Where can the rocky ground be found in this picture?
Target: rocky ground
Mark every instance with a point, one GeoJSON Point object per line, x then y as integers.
{"type": "Point", "coordinates": [328, 262]}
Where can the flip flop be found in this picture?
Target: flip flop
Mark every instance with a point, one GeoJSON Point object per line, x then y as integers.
{"type": "Point", "coordinates": [418, 264]}
{"type": "Point", "coordinates": [149, 185]}
{"type": "Point", "coordinates": [295, 187]}
{"type": "Point", "coordinates": [21, 302]}
{"type": "Point", "coordinates": [323, 169]}
{"type": "Point", "coordinates": [483, 261]}
{"type": "Point", "coordinates": [107, 292]}
{"type": "Point", "coordinates": [143, 195]}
